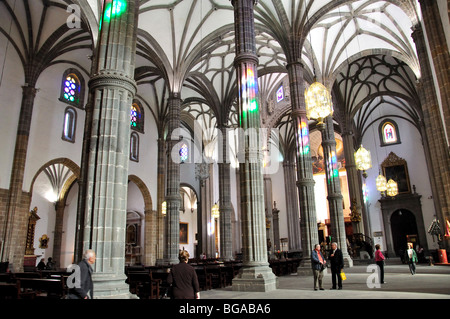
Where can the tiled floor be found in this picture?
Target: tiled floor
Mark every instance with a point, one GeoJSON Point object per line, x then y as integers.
{"type": "Point", "coordinates": [429, 282]}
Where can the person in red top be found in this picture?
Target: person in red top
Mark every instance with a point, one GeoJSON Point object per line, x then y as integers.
{"type": "Point", "coordinates": [379, 259]}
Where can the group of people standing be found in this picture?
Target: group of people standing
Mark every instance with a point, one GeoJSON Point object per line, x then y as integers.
{"type": "Point", "coordinates": [184, 282]}
{"type": "Point", "coordinates": [336, 259]}
{"type": "Point", "coordinates": [319, 263]}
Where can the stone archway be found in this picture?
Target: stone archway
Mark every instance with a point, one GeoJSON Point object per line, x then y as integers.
{"type": "Point", "coordinates": [403, 226]}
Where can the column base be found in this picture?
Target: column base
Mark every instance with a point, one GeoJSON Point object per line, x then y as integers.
{"type": "Point", "coordinates": [255, 279]}
{"type": "Point", "coordinates": [348, 262]}
{"type": "Point", "coordinates": [111, 286]}
{"type": "Point", "coordinates": [305, 268]}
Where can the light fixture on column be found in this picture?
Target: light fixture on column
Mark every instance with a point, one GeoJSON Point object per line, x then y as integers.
{"type": "Point", "coordinates": [164, 208]}
{"type": "Point", "coordinates": [363, 160]}
{"type": "Point", "coordinates": [391, 188]}
{"type": "Point", "coordinates": [215, 211]}
{"type": "Point", "coordinates": [318, 102]}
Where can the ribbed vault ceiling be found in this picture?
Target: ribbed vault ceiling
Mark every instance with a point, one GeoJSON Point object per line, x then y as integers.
{"type": "Point", "coordinates": [187, 46]}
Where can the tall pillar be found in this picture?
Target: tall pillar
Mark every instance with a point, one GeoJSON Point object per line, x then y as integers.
{"type": "Point", "coordinates": [269, 216]}
{"type": "Point", "coordinates": [255, 275]}
{"type": "Point", "coordinates": [226, 244]}
{"type": "Point", "coordinates": [161, 197]}
{"type": "Point", "coordinates": [440, 56]}
{"type": "Point", "coordinates": [334, 188]}
{"type": "Point", "coordinates": [354, 185]}
{"type": "Point", "coordinates": [276, 227]}
{"type": "Point", "coordinates": [305, 180]}
{"type": "Point", "coordinates": [60, 206]}
{"type": "Point", "coordinates": [434, 133]}
{"type": "Point", "coordinates": [14, 225]}
{"type": "Point", "coordinates": [292, 209]}
{"type": "Point", "coordinates": [173, 199]}
{"type": "Point", "coordinates": [113, 88]}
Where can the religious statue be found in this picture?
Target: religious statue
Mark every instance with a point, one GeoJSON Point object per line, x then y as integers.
{"type": "Point", "coordinates": [355, 216]}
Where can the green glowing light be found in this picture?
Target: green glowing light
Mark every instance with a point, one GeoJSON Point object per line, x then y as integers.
{"type": "Point", "coordinates": [113, 9]}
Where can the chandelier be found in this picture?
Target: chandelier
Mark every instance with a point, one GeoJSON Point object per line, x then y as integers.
{"type": "Point", "coordinates": [391, 188]}
{"type": "Point", "coordinates": [381, 183]}
{"type": "Point", "coordinates": [362, 159]}
{"type": "Point", "coordinates": [318, 102]}
{"type": "Point", "coordinates": [215, 211]}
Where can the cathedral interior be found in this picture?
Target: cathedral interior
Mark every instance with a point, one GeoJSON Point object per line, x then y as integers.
{"type": "Point", "coordinates": [139, 128]}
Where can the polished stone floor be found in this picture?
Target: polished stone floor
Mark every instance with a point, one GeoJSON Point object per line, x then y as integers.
{"type": "Point", "coordinates": [429, 282]}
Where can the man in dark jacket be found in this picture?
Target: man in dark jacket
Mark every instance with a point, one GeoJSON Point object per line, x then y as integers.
{"type": "Point", "coordinates": [85, 290]}
{"type": "Point", "coordinates": [337, 264]}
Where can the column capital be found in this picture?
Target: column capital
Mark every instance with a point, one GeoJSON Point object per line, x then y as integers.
{"type": "Point", "coordinates": [109, 78]}
{"type": "Point", "coordinates": [295, 63]}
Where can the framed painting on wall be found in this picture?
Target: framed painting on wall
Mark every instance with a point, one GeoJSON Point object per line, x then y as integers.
{"type": "Point", "coordinates": [184, 228]}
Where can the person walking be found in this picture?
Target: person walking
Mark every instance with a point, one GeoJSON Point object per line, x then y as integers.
{"type": "Point", "coordinates": [318, 265]}
{"type": "Point", "coordinates": [183, 279]}
{"type": "Point", "coordinates": [411, 258]}
{"type": "Point", "coordinates": [337, 264]}
{"type": "Point", "coordinates": [379, 259]}
{"type": "Point", "coordinates": [86, 288]}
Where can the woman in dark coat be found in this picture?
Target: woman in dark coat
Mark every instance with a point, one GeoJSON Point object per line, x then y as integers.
{"type": "Point", "coordinates": [183, 279]}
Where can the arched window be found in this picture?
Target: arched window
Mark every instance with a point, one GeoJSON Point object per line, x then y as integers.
{"type": "Point", "coordinates": [389, 133]}
{"type": "Point", "coordinates": [70, 124]}
{"type": "Point", "coordinates": [184, 153]}
{"type": "Point", "coordinates": [137, 117]}
{"type": "Point", "coordinates": [72, 88]}
{"type": "Point", "coordinates": [134, 147]}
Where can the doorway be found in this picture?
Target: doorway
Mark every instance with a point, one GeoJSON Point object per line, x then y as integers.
{"type": "Point", "coordinates": [404, 228]}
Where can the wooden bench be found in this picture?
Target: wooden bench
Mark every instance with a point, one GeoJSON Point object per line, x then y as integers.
{"type": "Point", "coordinates": [204, 278]}
{"type": "Point", "coordinates": [9, 290]}
{"type": "Point", "coordinates": [43, 288]}
{"type": "Point", "coordinates": [143, 285]}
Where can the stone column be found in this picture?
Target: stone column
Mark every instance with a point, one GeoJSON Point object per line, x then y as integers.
{"type": "Point", "coordinates": [276, 227]}
{"type": "Point", "coordinates": [292, 210]}
{"type": "Point", "coordinates": [334, 188]}
{"type": "Point", "coordinates": [113, 88]}
{"type": "Point", "coordinates": [354, 185]}
{"type": "Point", "coordinates": [15, 217]}
{"type": "Point", "coordinates": [226, 244]}
{"type": "Point", "coordinates": [60, 206]}
{"type": "Point", "coordinates": [161, 197]}
{"type": "Point", "coordinates": [434, 133]}
{"type": "Point", "coordinates": [269, 216]}
{"type": "Point", "coordinates": [255, 275]}
{"type": "Point", "coordinates": [440, 56]}
{"type": "Point", "coordinates": [305, 180]}
{"type": "Point", "coordinates": [173, 199]}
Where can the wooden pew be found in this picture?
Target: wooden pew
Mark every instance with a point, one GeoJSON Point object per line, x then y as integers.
{"type": "Point", "coordinates": [217, 276]}
{"type": "Point", "coordinates": [204, 278]}
{"type": "Point", "coordinates": [143, 285]}
{"type": "Point", "coordinates": [45, 288]}
{"type": "Point", "coordinates": [9, 290]}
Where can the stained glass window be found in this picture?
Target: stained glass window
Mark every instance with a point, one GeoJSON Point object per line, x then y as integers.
{"type": "Point", "coordinates": [72, 88]}
{"type": "Point", "coordinates": [70, 117]}
{"type": "Point", "coordinates": [136, 117]}
{"type": "Point", "coordinates": [389, 133]}
{"type": "Point", "coordinates": [184, 153]}
{"type": "Point", "coordinates": [134, 147]}
{"type": "Point", "coordinates": [280, 94]}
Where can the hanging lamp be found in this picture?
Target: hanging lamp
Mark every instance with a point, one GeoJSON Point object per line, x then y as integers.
{"type": "Point", "coordinates": [381, 183]}
{"type": "Point", "coordinates": [363, 159]}
{"type": "Point", "coordinates": [318, 102]}
{"type": "Point", "coordinates": [391, 188]}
